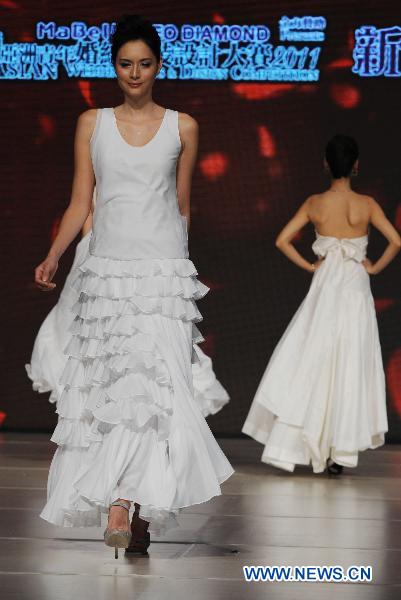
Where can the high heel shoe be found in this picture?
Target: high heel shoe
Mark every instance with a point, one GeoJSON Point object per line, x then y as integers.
{"type": "Point", "coordinates": [138, 545]}
{"type": "Point", "coordinates": [118, 538]}
{"type": "Point", "coordinates": [333, 468]}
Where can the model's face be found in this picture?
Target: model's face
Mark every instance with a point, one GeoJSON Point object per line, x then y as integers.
{"type": "Point", "coordinates": [136, 68]}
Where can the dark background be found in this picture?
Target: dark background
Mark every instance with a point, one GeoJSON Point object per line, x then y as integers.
{"type": "Point", "coordinates": [247, 183]}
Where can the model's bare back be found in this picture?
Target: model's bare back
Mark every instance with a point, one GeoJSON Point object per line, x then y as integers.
{"type": "Point", "coordinates": [341, 214]}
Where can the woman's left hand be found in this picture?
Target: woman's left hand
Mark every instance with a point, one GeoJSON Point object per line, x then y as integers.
{"type": "Point", "coordinates": [317, 264]}
{"type": "Point", "coordinates": [368, 266]}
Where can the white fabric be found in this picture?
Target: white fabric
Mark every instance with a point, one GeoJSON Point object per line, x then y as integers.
{"type": "Point", "coordinates": [323, 392]}
{"type": "Point", "coordinates": [48, 359]}
{"type": "Point", "coordinates": [129, 425]}
{"type": "Point", "coordinates": [137, 214]}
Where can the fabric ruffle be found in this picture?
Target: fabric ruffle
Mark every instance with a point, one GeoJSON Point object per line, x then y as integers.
{"type": "Point", "coordinates": [128, 397]}
{"type": "Point", "coordinates": [146, 268]}
{"type": "Point", "coordinates": [46, 365]}
{"type": "Point", "coordinates": [48, 360]}
{"type": "Point", "coordinates": [39, 384]}
{"type": "Point", "coordinates": [210, 395]}
{"type": "Point", "coordinates": [110, 288]}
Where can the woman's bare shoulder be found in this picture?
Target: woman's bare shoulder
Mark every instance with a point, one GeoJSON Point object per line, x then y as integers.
{"type": "Point", "coordinates": [86, 122]}
{"type": "Point", "coordinates": [88, 117]}
{"type": "Point", "coordinates": [187, 124]}
{"type": "Point", "coordinates": [365, 200]}
{"type": "Point", "coordinates": [314, 199]}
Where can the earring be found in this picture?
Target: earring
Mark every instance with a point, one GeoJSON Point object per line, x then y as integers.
{"type": "Point", "coordinates": [354, 172]}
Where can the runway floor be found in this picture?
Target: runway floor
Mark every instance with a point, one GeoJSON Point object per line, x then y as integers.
{"type": "Point", "coordinates": [264, 517]}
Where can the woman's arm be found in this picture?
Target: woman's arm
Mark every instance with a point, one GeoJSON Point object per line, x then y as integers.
{"type": "Point", "coordinates": [380, 221]}
{"type": "Point", "coordinates": [87, 226]}
{"type": "Point", "coordinates": [283, 241]}
{"type": "Point", "coordinates": [188, 128]}
{"type": "Point", "coordinates": [80, 202]}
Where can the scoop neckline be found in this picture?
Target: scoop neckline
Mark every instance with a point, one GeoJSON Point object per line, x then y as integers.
{"type": "Point", "coordinates": [131, 145]}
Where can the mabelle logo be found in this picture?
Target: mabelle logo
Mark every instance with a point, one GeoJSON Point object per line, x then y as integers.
{"type": "Point", "coordinates": [77, 30]}
{"type": "Point", "coordinates": [168, 33]}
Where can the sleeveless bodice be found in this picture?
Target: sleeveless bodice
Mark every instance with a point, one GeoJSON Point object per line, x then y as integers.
{"type": "Point", "coordinates": [137, 214]}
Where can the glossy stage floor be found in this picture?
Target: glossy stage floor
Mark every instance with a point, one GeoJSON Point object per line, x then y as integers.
{"type": "Point", "coordinates": [264, 517]}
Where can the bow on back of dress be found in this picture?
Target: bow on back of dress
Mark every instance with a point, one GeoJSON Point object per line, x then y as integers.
{"type": "Point", "coordinates": [350, 248]}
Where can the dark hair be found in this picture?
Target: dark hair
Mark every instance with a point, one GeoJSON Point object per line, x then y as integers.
{"type": "Point", "coordinates": [134, 27]}
{"type": "Point", "coordinates": [341, 154]}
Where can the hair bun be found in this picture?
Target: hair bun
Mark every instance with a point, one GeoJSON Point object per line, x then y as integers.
{"type": "Point", "coordinates": [131, 28]}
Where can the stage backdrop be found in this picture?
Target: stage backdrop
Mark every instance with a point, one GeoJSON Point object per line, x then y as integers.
{"type": "Point", "coordinates": [267, 98]}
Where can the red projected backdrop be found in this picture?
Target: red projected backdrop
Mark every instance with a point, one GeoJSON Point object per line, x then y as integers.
{"type": "Point", "coordinates": [261, 147]}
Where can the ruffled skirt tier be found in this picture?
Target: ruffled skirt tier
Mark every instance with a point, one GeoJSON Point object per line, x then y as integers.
{"type": "Point", "coordinates": [48, 359]}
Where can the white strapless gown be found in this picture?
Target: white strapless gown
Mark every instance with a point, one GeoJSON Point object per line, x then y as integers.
{"type": "Point", "coordinates": [48, 359]}
{"type": "Point", "coordinates": [323, 392]}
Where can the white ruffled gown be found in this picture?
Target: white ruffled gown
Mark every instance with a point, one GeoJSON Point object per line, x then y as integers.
{"type": "Point", "coordinates": [129, 425]}
{"type": "Point", "coordinates": [323, 392]}
{"type": "Point", "coordinates": [48, 359]}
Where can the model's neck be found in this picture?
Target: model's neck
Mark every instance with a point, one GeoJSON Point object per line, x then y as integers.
{"type": "Point", "coordinates": [341, 185]}
{"type": "Point", "coordinates": [143, 104]}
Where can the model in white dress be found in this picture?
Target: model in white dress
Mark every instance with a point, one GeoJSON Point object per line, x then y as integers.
{"type": "Point", "coordinates": [323, 392]}
{"type": "Point", "coordinates": [48, 359]}
{"type": "Point", "coordinates": [322, 397]}
{"type": "Point", "coordinates": [129, 425]}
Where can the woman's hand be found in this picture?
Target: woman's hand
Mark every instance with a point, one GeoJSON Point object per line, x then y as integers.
{"type": "Point", "coordinates": [44, 274]}
{"type": "Point", "coordinates": [369, 266]}
{"type": "Point", "coordinates": [316, 265]}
